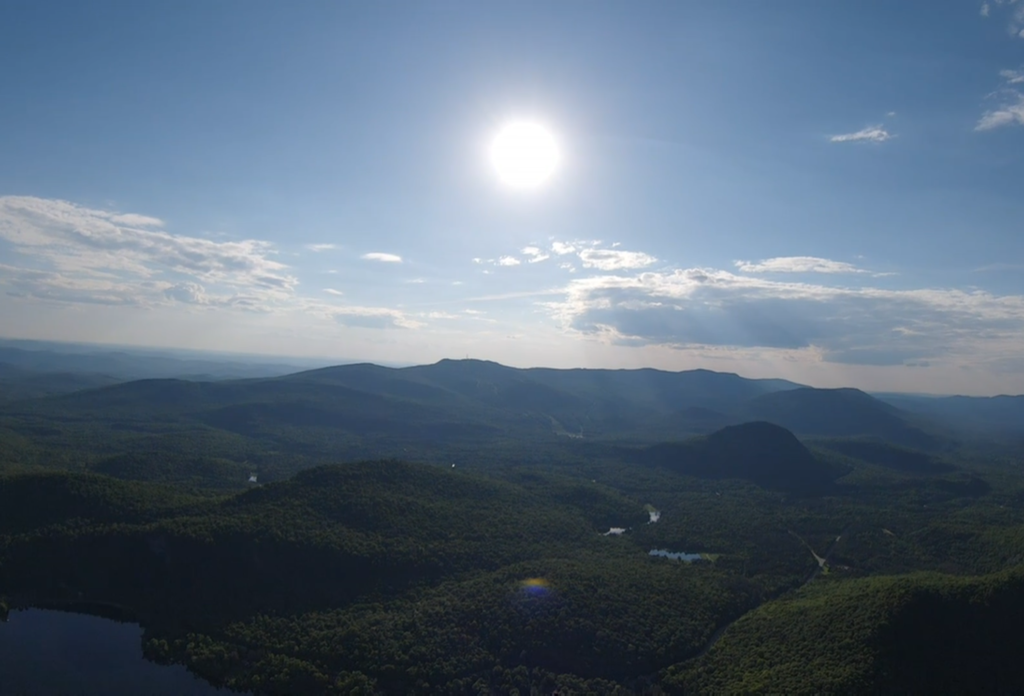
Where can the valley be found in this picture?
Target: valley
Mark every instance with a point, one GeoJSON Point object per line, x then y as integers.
{"type": "Point", "coordinates": [433, 530]}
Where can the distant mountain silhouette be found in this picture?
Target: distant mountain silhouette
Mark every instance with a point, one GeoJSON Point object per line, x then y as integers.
{"type": "Point", "coordinates": [447, 399]}
{"type": "Point", "coordinates": [43, 356]}
{"type": "Point", "coordinates": [21, 383]}
{"type": "Point", "coordinates": [764, 453]}
{"type": "Point", "coordinates": [468, 402]}
{"type": "Point", "coordinates": [838, 413]}
{"type": "Point", "coordinates": [983, 415]}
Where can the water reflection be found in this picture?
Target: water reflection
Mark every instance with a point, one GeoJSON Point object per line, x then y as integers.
{"type": "Point", "coordinates": [677, 555]}
{"type": "Point", "coordinates": [44, 652]}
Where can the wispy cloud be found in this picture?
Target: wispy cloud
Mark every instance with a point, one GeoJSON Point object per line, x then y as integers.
{"type": "Point", "coordinates": [562, 248]}
{"type": "Point", "coordinates": [1008, 114]}
{"type": "Point", "coordinates": [373, 318]}
{"type": "Point", "coordinates": [71, 254]}
{"type": "Point", "coordinates": [97, 253]}
{"type": "Point", "coordinates": [1012, 77]}
{"type": "Point", "coordinates": [535, 254]}
{"type": "Point", "coordinates": [1015, 11]}
{"type": "Point", "coordinates": [615, 259]}
{"type": "Point", "coordinates": [870, 134]}
{"type": "Point", "coordinates": [320, 247]}
{"type": "Point", "coordinates": [1010, 110]}
{"type": "Point", "coordinates": [508, 261]}
{"type": "Point", "coordinates": [797, 264]}
{"type": "Point", "coordinates": [382, 257]}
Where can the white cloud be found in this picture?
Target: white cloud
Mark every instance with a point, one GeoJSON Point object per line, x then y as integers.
{"type": "Point", "coordinates": [508, 261]}
{"type": "Point", "coordinates": [614, 259]}
{"type": "Point", "coordinates": [373, 318]}
{"type": "Point", "coordinates": [382, 257]}
{"type": "Point", "coordinates": [320, 247]}
{"type": "Point", "coordinates": [133, 220]}
{"type": "Point", "coordinates": [97, 254]}
{"type": "Point", "coordinates": [797, 264]}
{"type": "Point", "coordinates": [1015, 23]}
{"type": "Point", "coordinates": [189, 293]}
{"type": "Point", "coordinates": [872, 134]}
{"type": "Point", "coordinates": [1013, 77]}
{"type": "Point", "coordinates": [74, 255]}
{"type": "Point", "coordinates": [866, 325]}
{"type": "Point", "coordinates": [535, 254]}
{"type": "Point", "coordinates": [1010, 110]}
{"type": "Point", "coordinates": [562, 248]}
{"type": "Point", "coordinates": [332, 291]}
{"type": "Point", "coordinates": [1009, 113]}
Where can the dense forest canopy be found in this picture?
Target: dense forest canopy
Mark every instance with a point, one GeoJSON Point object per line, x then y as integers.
{"type": "Point", "coordinates": [468, 528]}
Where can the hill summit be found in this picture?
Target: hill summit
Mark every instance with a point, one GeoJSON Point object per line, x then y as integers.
{"type": "Point", "coordinates": [760, 452]}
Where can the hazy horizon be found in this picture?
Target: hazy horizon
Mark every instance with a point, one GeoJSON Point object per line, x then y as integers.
{"type": "Point", "coordinates": [320, 362]}
{"type": "Point", "coordinates": [825, 193]}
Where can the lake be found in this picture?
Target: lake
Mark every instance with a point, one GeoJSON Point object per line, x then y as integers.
{"type": "Point", "coordinates": [45, 652]}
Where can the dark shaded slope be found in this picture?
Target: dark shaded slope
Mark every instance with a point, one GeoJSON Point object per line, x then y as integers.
{"type": "Point", "coordinates": [34, 501]}
{"type": "Point", "coordinates": [889, 456]}
{"type": "Point", "coordinates": [763, 453]}
{"type": "Point", "coordinates": [838, 413]}
{"type": "Point", "coordinates": [320, 539]}
{"type": "Point", "coordinates": [917, 634]}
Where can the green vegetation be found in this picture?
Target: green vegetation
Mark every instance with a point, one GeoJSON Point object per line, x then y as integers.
{"type": "Point", "coordinates": [473, 557]}
{"type": "Point", "coordinates": [912, 634]}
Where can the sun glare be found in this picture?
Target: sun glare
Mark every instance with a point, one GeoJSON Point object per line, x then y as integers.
{"type": "Point", "coordinates": [524, 154]}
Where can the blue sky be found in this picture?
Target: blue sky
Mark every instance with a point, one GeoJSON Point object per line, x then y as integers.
{"type": "Point", "coordinates": [828, 192]}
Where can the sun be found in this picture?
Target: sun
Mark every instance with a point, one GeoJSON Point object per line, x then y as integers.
{"type": "Point", "coordinates": [524, 154]}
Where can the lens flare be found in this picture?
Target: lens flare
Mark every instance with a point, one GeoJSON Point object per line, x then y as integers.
{"type": "Point", "coordinates": [536, 586]}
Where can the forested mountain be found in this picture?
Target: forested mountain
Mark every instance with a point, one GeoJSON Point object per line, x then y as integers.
{"type": "Point", "coordinates": [371, 410]}
{"type": "Point", "coordinates": [838, 413]}
{"type": "Point", "coordinates": [585, 531]}
{"type": "Point", "coordinates": [916, 634]}
{"type": "Point", "coordinates": [761, 452]}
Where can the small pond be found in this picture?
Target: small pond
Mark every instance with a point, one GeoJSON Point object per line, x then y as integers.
{"type": "Point", "coordinates": [45, 652]}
